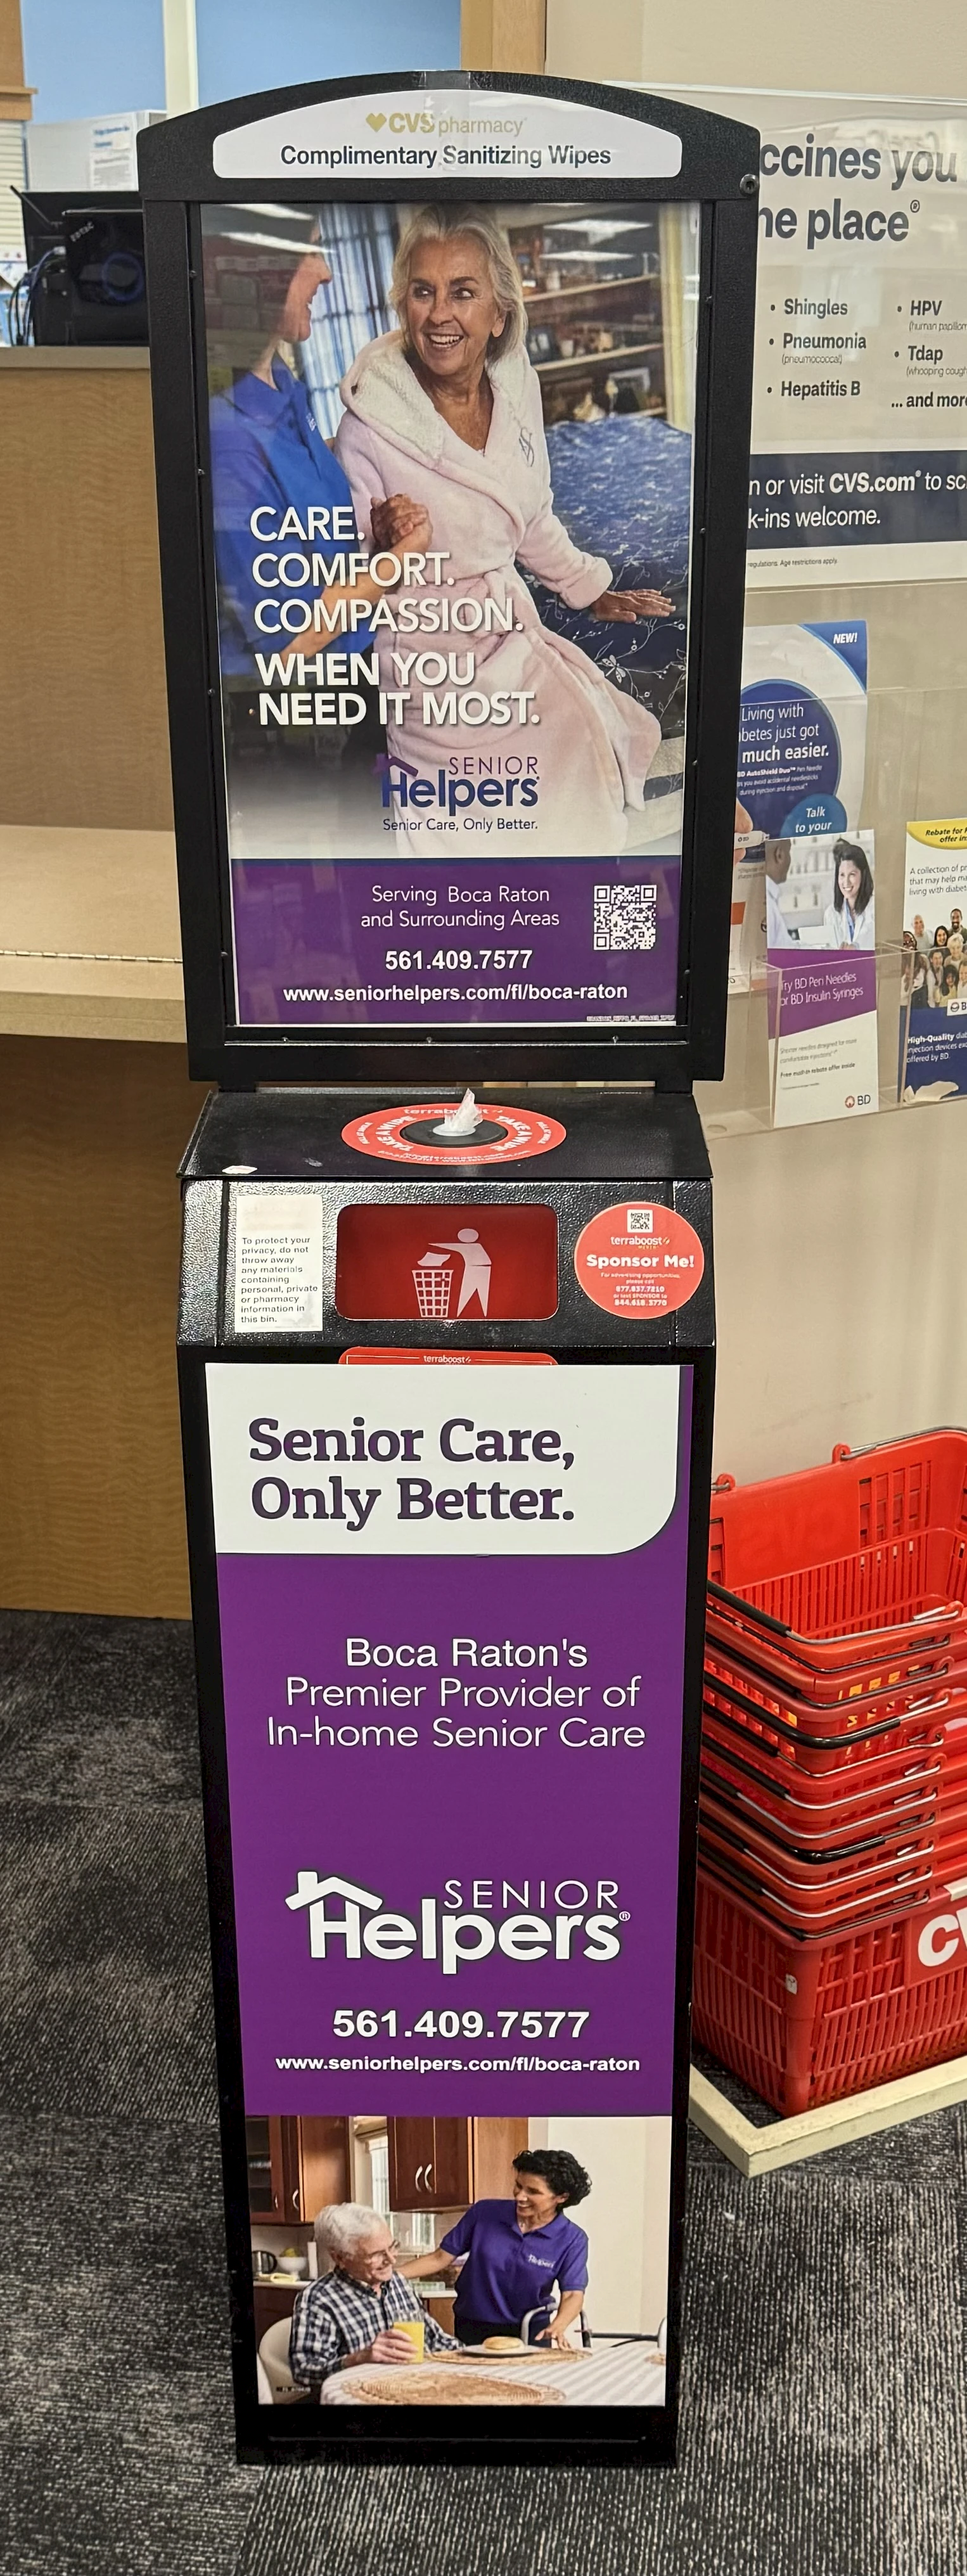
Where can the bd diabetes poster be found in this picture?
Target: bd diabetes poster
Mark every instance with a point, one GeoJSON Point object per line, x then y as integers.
{"type": "Point", "coordinates": [453, 1633]}
{"type": "Point", "coordinates": [451, 477]}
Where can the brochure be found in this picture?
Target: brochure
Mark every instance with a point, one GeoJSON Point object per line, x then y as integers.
{"type": "Point", "coordinates": [933, 1030]}
{"type": "Point", "coordinates": [821, 932]}
{"type": "Point", "coordinates": [802, 756]}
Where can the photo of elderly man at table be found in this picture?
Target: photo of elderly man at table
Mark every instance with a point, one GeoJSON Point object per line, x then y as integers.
{"type": "Point", "coordinates": [391, 2254]}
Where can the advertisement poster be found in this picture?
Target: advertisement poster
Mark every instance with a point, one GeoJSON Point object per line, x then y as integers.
{"type": "Point", "coordinates": [859, 438]}
{"type": "Point", "coordinates": [451, 476]}
{"type": "Point", "coordinates": [821, 934]}
{"type": "Point", "coordinates": [934, 1020]}
{"type": "Point", "coordinates": [802, 755]}
{"type": "Point", "coordinates": [452, 1614]}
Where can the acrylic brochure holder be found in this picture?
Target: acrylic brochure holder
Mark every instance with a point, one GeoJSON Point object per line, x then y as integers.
{"type": "Point", "coordinates": [790, 1061]}
{"type": "Point", "coordinates": [451, 385]}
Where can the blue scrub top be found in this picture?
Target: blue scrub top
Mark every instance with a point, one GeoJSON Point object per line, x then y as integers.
{"type": "Point", "coordinates": [507, 2271]}
{"type": "Point", "coordinates": [267, 451]}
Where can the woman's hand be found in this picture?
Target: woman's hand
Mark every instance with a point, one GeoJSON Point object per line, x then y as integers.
{"type": "Point", "coordinates": [556, 2334]}
{"type": "Point", "coordinates": [625, 605]}
{"type": "Point", "coordinates": [569, 2306]}
{"type": "Point", "coordinates": [398, 522]}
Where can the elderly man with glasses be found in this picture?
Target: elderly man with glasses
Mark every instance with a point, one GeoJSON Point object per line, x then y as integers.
{"type": "Point", "coordinates": [353, 2313]}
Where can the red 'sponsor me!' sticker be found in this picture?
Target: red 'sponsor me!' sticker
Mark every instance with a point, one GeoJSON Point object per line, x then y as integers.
{"type": "Point", "coordinates": [638, 1259]}
{"type": "Point", "coordinates": [411, 1135]}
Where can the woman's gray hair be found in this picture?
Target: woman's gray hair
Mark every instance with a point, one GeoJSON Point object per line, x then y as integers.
{"type": "Point", "coordinates": [440, 223]}
{"type": "Point", "coordinates": [344, 2225]}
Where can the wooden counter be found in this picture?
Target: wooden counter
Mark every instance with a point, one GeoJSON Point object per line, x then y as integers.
{"type": "Point", "coordinates": [90, 944]}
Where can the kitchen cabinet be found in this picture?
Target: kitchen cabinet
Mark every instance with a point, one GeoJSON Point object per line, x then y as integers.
{"type": "Point", "coordinates": [440, 2309]}
{"type": "Point", "coordinates": [266, 2181]}
{"type": "Point", "coordinates": [444, 2164]}
{"type": "Point", "coordinates": [429, 2163]}
{"type": "Point", "coordinates": [295, 2167]}
{"type": "Point", "coordinates": [272, 2300]}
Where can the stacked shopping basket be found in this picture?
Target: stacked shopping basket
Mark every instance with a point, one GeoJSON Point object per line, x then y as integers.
{"type": "Point", "coordinates": [831, 1940]}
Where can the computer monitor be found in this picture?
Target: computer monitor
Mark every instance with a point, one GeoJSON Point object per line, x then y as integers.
{"type": "Point", "coordinates": [85, 284]}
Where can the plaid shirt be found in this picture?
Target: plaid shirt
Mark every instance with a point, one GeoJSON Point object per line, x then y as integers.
{"type": "Point", "coordinates": [336, 2317]}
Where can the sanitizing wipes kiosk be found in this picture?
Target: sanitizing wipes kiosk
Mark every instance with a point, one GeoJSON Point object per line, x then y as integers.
{"type": "Point", "coordinates": [451, 385]}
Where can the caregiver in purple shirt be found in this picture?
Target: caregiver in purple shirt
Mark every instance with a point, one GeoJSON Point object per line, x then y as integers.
{"type": "Point", "coordinates": [516, 2249]}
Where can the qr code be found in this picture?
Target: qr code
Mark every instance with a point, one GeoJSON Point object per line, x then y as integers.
{"type": "Point", "coordinates": [641, 1220]}
{"type": "Point", "coordinates": [624, 916]}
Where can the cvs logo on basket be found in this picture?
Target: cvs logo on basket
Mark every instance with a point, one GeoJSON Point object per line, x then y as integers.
{"type": "Point", "coordinates": [941, 1939]}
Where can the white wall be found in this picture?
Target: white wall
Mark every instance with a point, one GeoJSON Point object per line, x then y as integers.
{"type": "Point", "coordinates": [841, 1250]}
{"type": "Point", "coordinates": [841, 1262]}
{"type": "Point", "coordinates": [878, 45]}
{"type": "Point", "coordinates": [625, 2216]}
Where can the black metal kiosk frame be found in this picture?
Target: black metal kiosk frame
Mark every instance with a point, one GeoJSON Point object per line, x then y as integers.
{"type": "Point", "coordinates": [285, 1138]}
{"type": "Point", "coordinates": [719, 173]}
{"type": "Point", "coordinates": [616, 1143]}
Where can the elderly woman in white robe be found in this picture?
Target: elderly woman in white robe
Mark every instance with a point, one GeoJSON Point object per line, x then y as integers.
{"type": "Point", "coordinates": [443, 444]}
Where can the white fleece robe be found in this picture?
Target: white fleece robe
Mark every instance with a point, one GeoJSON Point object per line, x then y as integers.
{"type": "Point", "coordinates": [594, 745]}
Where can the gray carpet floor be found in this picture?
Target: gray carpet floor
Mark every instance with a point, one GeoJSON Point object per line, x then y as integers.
{"type": "Point", "coordinates": [824, 2421]}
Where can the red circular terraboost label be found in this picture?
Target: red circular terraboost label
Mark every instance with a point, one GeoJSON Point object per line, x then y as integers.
{"type": "Point", "coordinates": [412, 1135]}
{"type": "Point", "coordinates": [638, 1259]}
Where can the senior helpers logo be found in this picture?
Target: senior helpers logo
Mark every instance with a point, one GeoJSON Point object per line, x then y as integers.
{"type": "Point", "coordinates": [639, 1259]}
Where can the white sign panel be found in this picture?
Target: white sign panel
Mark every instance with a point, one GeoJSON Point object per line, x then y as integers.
{"type": "Point", "coordinates": [278, 1263]}
{"type": "Point", "coordinates": [446, 134]}
{"type": "Point", "coordinates": [375, 1461]}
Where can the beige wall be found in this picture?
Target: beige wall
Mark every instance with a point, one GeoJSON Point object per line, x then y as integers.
{"type": "Point", "coordinates": [879, 45]}
{"type": "Point", "coordinates": [502, 35]}
{"type": "Point", "coordinates": [625, 2217]}
{"type": "Point", "coordinates": [841, 1257]}
{"type": "Point", "coordinates": [15, 100]}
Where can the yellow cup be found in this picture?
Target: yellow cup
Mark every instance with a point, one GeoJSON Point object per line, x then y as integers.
{"type": "Point", "coordinates": [413, 2329]}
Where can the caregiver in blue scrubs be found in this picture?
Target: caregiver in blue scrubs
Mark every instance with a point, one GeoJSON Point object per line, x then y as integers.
{"type": "Point", "coordinates": [268, 454]}
{"type": "Point", "coordinates": [511, 2252]}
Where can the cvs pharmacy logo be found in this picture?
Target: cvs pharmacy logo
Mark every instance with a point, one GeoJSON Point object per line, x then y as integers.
{"type": "Point", "coordinates": [941, 1940]}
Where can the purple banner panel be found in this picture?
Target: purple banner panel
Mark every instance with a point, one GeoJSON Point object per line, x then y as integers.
{"type": "Point", "coordinates": [455, 1787]}
{"type": "Point", "coordinates": [470, 941]}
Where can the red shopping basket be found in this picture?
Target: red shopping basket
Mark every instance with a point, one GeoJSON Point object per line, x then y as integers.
{"type": "Point", "coordinates": [888, 1659]}
{"type": "Point", "coordinates": [814, 1833]}
{"type": "Point", "coordinates": [818, 1739]}
{"type": "Point", "coordinates": [839, 1804]}
{"type": "Point", "coordinates": [854, 1575]}
{"type": "Point", "coordinates": [850, 1787]}
{"type": "Point", "coordinates": [806, 2021]}
{"type": "Point", "coordinates": [797, 1891]}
